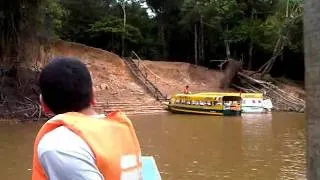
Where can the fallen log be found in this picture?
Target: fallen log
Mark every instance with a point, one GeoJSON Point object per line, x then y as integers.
{"type": "Point", "coordinates": [279, 97]}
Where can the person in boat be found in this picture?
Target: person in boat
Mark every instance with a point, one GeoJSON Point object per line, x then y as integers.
{"type": "Point", "coordinates": [78, 143]}
{"type": "Point", "coordinates": [186, 90]}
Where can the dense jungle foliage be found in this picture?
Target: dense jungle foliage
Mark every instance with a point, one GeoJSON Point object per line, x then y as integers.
{"type": "Point", "coordinates": [195, 31]}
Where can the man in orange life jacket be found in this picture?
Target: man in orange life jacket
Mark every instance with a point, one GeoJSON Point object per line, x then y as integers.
{"type": "Point", "coordinates": [78, 143]}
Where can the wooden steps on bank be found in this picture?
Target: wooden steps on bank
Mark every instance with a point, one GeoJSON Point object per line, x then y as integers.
{"type": "Point", "coordinates": [144, 81]}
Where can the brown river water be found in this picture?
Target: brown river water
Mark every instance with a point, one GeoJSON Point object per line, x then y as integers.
{"type": "Point", "coordinates": [192, 147]}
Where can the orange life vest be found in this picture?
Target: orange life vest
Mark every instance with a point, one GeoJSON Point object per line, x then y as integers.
{"type": "Point", "coordinates": [113, 142]}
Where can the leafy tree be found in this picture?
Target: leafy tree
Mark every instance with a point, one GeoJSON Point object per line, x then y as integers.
{"type": "Point", "coordinates": [52, 14]}
{"type": "Point", "coordinates": [80, 14]}
{"type": "Point", "coordinates": [113, 27]}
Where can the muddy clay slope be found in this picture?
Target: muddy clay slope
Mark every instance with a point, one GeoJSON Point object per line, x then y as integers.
{"type": "Point", "coordinates": [113, 78]}
{"type": "Point", "coordinates": [113, 83]}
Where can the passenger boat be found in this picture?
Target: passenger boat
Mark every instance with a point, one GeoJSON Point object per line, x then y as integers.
{"type": "Point", "coordinates": [229, 105]}
{"type": "Point", "coordinates": [251, 102]}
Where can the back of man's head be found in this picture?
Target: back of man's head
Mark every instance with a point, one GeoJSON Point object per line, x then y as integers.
{"type": "Point", "coordinates": [66, 85]}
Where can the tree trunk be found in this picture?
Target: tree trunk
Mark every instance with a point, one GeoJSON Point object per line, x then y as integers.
{"type": "Point", "coordinates": [201, 41]}
{"type": "Point", "coordinates": [250, 56]}
{"type": "Point", "coordinates": [163, 41]}
{"type": "Point", "coordinates": [112, 47]}
{"type": "Point", "coordinates": [251, 44]}
{"type": "Point", "coordinates": [195, 45]}
{"type": "Point", "coordinates": [312, 64]}
{"type": "Point", "coordinates": [226, 42]}
{"type": "Point", "coordinates": [123, 6]}
{"type": "Point", "coordinates": [287, 9]}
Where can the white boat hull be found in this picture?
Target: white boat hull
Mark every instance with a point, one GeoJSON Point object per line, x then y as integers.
{"type": "Point", "coordinates": [253, 109]}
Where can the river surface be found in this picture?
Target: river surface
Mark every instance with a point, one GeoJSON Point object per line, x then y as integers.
{"type": "Point", "coordinates": [262, 147]}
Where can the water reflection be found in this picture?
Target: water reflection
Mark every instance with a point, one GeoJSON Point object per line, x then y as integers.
{"type": "Point", "coordinates": [16, 149]}
{"type": "Point", "coordinates": [257, 146]}
{"type": "Point", "coordinates": [254, 146]}
{"type": "Point", "coordinates": [289, 146]}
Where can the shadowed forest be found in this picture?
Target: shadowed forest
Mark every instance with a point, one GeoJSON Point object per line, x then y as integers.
{"type": "Point", "coordinates": [194, 31]}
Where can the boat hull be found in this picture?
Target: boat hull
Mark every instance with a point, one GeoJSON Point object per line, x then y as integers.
{"type": "Point", "coordinates": [200, 111]}
{"type": "Point", "coordinates": [252, 109]}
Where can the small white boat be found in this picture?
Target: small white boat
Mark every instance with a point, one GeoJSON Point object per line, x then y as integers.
{"type": "Point", "coordinates": [255, 104]}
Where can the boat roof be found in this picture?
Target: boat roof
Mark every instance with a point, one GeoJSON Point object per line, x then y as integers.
{"type": "Point", "coordinates": [204, 95]}
{"type": "Point", "coordinates": [231, 98]}
{"type": "Point", "coordinates": [220, 94]}
{"type": "Point", "coordinates": [243, 95]}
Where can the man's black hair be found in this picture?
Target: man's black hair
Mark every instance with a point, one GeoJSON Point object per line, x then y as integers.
{"type": "Point", "coordinates": [66, 85]}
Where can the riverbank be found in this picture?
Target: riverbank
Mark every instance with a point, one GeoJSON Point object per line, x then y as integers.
{"type": "Point", "coordinates": [115, 87]}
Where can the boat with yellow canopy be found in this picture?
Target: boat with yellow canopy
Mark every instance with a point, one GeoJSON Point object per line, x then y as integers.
{"type": "Point", "coordinates": [228, 105]}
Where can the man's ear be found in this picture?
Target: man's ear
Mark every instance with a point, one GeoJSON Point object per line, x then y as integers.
{"type": "Point", "coordinates": [44, 107]}
{"type": "Point", "coordinates": [93, 98]}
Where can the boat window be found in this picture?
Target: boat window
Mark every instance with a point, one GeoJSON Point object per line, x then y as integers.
{"type": "Point", "coordinates": [244, 101]}
{"type": "Point", "coordinates": [183, 101]}
{"type": "Point", "coordinates": [259, 101]}
{"type": "Point", "coordinates": [215, 103]}
{"type": "Point", "coordinates": [201, 103]}
{"type": "Point", "coordinates": [253, 101]}
{"type": "Point", "coordinates": [188, 102]}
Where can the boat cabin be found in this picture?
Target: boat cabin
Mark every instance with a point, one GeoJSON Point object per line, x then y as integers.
{"type": "Point", "coordinates": [232, 102]}
{"type": "Point", "coordinates": [205, 104]}
{"type": "Point", "coordinates": [252, 103]}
